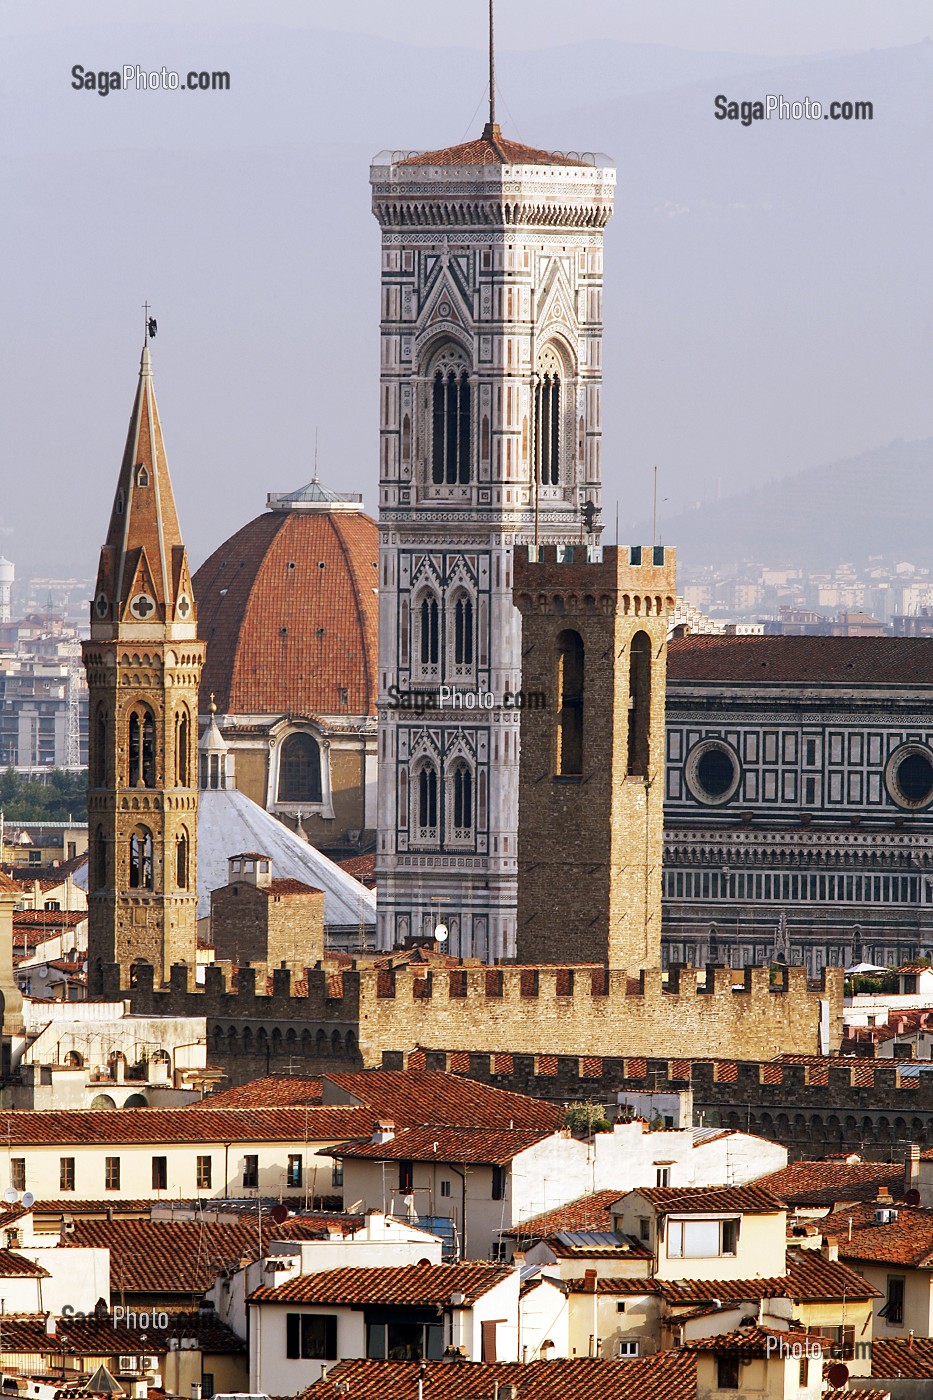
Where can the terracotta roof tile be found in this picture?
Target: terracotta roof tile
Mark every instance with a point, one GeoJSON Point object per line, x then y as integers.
{"type": "Point", "coordinates": [679, 1200]}
{"type": "Point", "coordinates": [907, 1241]}
{"type": "Point", "coordinates": [101, 1336]}
{"type": "Point", "coordinates": [272, 1091]}
{"type": "Point", "coordinates": [362, 868]}
{"type": "Point", "coordinates": [97, 1127]}
{"type": "Point", "coordinates": [755, 1341]}
{"type": "Point", "coordinates": [416, 1096]}
{"type": "Point", "coordinates": [810, 1278]}
{"type": "Point", "coordinates": [13, 1265]}
{"type": "Point", "coordinates": [815, 660]}
{"type": "Point", "coordinates": [247, 593]}
{"type": "Point", "coordinates": [166, 1257]}
{"type": "Point", "coordinates": [848, 1394]}
{"type": "Point", "coordinates": [409, 1285]}
{"type": "Point", "coordinates": [585, 1213]}
{"type": "Point", "coordinates": [631, 1287]}
{"type": "Point", "coordinates": [492, 148]}
{"type": "Point", "coordinates": [667, 1376]}
{"type": "Point", "coordinates": [807, 1183]}
{"type": "Point", "coordinates": [48, 918]}
{"type": "Point", "coordinates": [901, 1357]}
{"type": "Point", "coordinates": [479, 1146]}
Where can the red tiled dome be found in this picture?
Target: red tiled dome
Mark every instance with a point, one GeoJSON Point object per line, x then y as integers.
{"type": "Point", "coordinates": [289, 612]}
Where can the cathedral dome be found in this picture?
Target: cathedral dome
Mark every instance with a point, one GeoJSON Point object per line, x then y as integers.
{"type": "Point", "coordinates": [288, 608]}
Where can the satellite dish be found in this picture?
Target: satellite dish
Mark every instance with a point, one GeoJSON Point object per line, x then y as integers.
{"type": "Point", "coordinates": [11, 1195]}
{"type": "Point", "coordinates": [43, 971]}
{"type": "Point", "coordinates": [838, 1375]}
{"type": "Point", "coordinates": [912, 1197]}
{"type": "Point", "coordinates": [440, 933]}
{"type": "Point", "coordinates": [29, 1200]}
{"type": "Point", "coordinates": [279, 1213]}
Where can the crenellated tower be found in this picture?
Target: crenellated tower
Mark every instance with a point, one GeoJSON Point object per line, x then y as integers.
{"type": "Point", "coordinates": [594, 641]}
{"type": "Point", "coordinates": [490, 433]}
{"type": "Point", "coordinates": [143, 663]}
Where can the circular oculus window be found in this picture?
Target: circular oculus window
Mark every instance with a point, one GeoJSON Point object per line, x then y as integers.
{"type": "Point", "coordinates": [712, 772]}
{"type": "Point", "coordinates": [908, 776]}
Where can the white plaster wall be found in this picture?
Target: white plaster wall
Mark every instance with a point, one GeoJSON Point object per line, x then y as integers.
{"type": "Point", "coordinates": [43, 1169]}
{"type": "Point", "coordinates": [544, 1317]}
{"type": "Point", "coordinates": [80, 1276]}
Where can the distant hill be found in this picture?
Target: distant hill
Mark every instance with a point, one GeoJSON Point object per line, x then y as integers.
{"type": "Point", "coordinates": [878, 503]}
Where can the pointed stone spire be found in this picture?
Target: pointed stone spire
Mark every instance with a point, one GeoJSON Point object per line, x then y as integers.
{"type": "Point", "coordinates": [143, 577]}
{"type": "Point", "coordinates": [143, 664]}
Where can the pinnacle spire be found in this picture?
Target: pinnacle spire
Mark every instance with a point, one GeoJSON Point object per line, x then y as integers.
{"type": "Point", "coordinates": [143, 573]}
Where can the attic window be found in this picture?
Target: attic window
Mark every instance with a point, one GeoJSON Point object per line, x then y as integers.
{"type": "Point", "coordinates": [142, 476]}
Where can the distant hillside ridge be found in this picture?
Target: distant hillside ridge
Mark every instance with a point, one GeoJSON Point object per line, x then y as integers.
{"type": "Point", "coordinates": [879, 503]}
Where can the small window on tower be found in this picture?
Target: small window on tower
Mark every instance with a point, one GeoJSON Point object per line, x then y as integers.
{"type": "Point", "coordinates": [142, 476]}
{"type": "Point", "coordinates": [569, 757]}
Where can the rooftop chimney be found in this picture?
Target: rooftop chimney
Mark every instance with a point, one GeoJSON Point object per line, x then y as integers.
{"type": "Point", "coordinates": [830, 1248]}
{"type": "Point", "coordinates": [383, 1130]}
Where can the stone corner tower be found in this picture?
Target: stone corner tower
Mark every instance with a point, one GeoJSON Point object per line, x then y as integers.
{"type": "Point", "coordinates": [143, 663]}
{"type": "Point", "coordinates": [591, 794]}
{"type": "Point", "coordinates": [490, 434]}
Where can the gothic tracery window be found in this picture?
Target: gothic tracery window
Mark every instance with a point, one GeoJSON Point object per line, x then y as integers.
{"type": "Point", "coordinates": [548, 410]}
{"type": "Point", "coordinates": [426, 802]}
{"type": "Point", "coordinates": [428, 648]}
{"type": "Point", "coordinates": [462, 801]}
{"type": "Point", "coordinates": [450, 419]}
{"type": "Point", "coordinates": [463, 630]}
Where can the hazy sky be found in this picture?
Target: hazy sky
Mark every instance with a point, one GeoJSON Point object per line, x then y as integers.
{"type": "Point", "coordinates": [768, 297]}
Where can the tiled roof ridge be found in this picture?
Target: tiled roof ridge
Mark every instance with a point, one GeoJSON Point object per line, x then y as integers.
{"type": "Point", "coordinates": [413, 1282]}
{"type": "Point", "coordinates": [357, 602]}
{"type": "Point", "coordinates": [505, 151]}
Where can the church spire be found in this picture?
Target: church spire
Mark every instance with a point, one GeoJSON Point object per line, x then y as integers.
{"type": "Point", "coordinates": [143, 575]}
{"type": "Point", "coordinates": [143, 664]}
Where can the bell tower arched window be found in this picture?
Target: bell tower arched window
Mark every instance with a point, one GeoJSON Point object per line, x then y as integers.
{"type": "Point", "coordinates": [182, 762]}
{"type": "Point", "coordinates": [100, 748]}
{"type": "Point", "coordinates": [181, 860]}
{"type": "Point", "coordinates": [569, 757]}
{"type": "Point", "coordinates": [141, 874]}
{"type": "Point", "coordinates": [450, 419]}
{"type": "Point", "coordinates": [549, 408]}
{"type": "Point", "coordinates": [100, 860]}
{"type": "Point", "coordinates": [142, 749]}
{"type": "Point", "coordinates": [639, 704]}
{"type": "Point", "coordinates": [300, 769]}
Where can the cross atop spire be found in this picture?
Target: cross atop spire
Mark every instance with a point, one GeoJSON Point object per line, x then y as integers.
{"type": "Point", "coordinates": [143, 575]}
